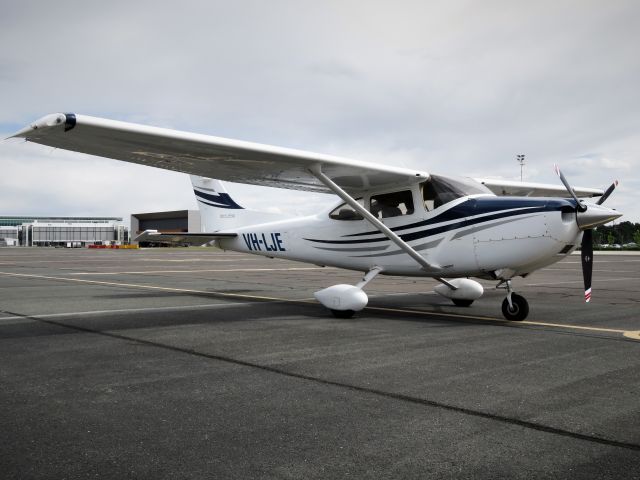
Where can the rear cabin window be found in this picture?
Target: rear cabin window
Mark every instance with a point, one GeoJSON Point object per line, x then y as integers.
{"type": "Point", "coordinates": [392, 204]}
{"type": "Point", "coordinates": [345, 212]}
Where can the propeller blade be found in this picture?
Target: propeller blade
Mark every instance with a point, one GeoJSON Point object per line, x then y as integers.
{"type": "Point", "coordinates": [586, 254]}
{"type": "Point", "coordinates": [606, 194]}
{"type": "Point", "coordinates": [579, 205]}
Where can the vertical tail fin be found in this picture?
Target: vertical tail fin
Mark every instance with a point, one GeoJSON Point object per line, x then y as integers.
{"type": "Point", "coordinates": [218, 211]}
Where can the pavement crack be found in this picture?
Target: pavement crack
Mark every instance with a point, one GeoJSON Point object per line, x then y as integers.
{"type": "Point", "coordinates": [372, 391]}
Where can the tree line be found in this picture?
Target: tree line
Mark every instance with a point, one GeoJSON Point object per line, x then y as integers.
{"type": "Point", "coordinates": [619, 233]}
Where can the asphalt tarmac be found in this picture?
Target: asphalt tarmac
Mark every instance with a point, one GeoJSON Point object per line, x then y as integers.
{"type": "Point", "coordinates": [195, 363]}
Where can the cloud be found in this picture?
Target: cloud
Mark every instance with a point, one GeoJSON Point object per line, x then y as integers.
{"type": "Point", "coordinates": [449, 87]}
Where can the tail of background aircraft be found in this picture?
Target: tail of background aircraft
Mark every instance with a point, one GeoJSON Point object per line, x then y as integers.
{"type": "Point", "coordinates": [219, 212]}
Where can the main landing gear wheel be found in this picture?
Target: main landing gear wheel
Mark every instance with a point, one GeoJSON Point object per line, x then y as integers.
{"type": "Point", "coordinates": [462, 303]}
{"type": "Point", "coordinates": [519, 309]}
{"type": "Point", "coordinates": [343, 313]}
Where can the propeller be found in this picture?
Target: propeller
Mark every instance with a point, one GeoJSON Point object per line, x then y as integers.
{"type": "Point", "coordinates": [588, 217]}
{"type": "Point", "coordinates": [579, 205]}
{"type": "Point", "coordinates": [606, 194]}
{"type": "Point", "coordinates": [586, 255]}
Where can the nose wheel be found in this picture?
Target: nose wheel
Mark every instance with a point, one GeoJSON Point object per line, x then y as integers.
{"type": "Point", "coordinates": [515, 307]}
{"type": "Point", "coordinates": [518, 310]}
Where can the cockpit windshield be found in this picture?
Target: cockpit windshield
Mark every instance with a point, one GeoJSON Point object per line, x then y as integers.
{"type": "Point", "coordinates": [439, 190]}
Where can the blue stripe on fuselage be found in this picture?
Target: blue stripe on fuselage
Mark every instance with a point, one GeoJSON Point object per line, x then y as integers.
{"type": "Point", "coordinates": [479, 206]}
{"type": "Point", "coordinates": [474, 206]}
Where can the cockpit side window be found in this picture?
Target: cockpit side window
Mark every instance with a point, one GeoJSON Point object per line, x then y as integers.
{"type": "Point", "coordinates": [392, 204]}
{"type": "Point", "coordinates": [439, 190]}
{"type": "Point", "coordinates": [346, 212]}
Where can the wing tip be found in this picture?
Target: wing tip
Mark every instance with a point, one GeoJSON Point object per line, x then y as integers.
{"type": "Point", "coordinates": [53, 120]}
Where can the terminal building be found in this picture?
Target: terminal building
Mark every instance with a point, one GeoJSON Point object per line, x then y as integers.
{"type": "Point", "coordinates": [29, 231]}
{"type": "Point", "coordinates": [62, 231]}
{"type": "Point", "coordinates": [8, 236]}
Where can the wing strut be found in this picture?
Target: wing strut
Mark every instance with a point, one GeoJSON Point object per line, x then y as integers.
{"type": "Point", "coordinates": [316, 170]}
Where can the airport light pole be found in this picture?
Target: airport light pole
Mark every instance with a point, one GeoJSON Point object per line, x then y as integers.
{"type": "Point", "coordinates": [520, 159]}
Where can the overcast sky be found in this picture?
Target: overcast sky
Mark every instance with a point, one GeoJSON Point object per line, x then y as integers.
{"type": "Point", "coordinates": [451, 87]}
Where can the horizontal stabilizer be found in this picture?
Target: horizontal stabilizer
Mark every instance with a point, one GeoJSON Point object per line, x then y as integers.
{"type": "Point", "coordinates": [195, 239]}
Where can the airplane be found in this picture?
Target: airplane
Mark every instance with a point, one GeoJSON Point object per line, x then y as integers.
{"type": "Point", "coordinates": [388, 220]}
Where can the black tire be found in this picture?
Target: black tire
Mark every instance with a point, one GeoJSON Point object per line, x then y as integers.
{"type": "Point", "coordinates": [462, 303]}
{"type": "Point", "coordinates": [520, 308]}
{"type": "Point", "coordinates": [343, 313]}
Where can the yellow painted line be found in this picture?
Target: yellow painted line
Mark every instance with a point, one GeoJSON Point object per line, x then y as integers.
{"type": "Point", "coordinates": [444, 314]}
{"type": "Point", "coordinates": [629, 334]}
{"type": "Point", "coordinates": [598, 280]}
{"type": "Point", "coordinates": [131, 260]}
{"type": "Point", "coordinates": [150, 287]}
{"type": "Point", "coordinates": [595, 270]}
{"type": "Point", "coordinates": [576, 327]}
{"type": "Point", "coordinates": [204, 270]}
{"type": "Point", "coordinates": [500, 320]}
{"type": "Point", "coordinates": [207, 306]}
{"type": "Point", "coordinates": [192, 260]}
{"type": "Point", "coordinates": [599, 260]}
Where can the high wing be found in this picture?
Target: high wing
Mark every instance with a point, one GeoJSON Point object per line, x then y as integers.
{"type": "Point", "coordinates": [529, 189]}
{"type": "Point", "coordinates": [195, 239]}
{"type": "Point", "coordinates": [209, 156]}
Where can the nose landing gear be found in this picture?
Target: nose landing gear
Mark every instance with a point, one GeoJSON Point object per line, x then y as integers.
{"type": "Point", "coordinates": [515, 307]}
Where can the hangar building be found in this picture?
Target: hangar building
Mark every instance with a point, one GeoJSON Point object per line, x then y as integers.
{"type": "Point", "coordinates": [177, 221]}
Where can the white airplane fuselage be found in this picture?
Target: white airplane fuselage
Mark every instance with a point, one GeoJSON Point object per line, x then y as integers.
{"type": "Point", "coordinates": [480, 235]}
